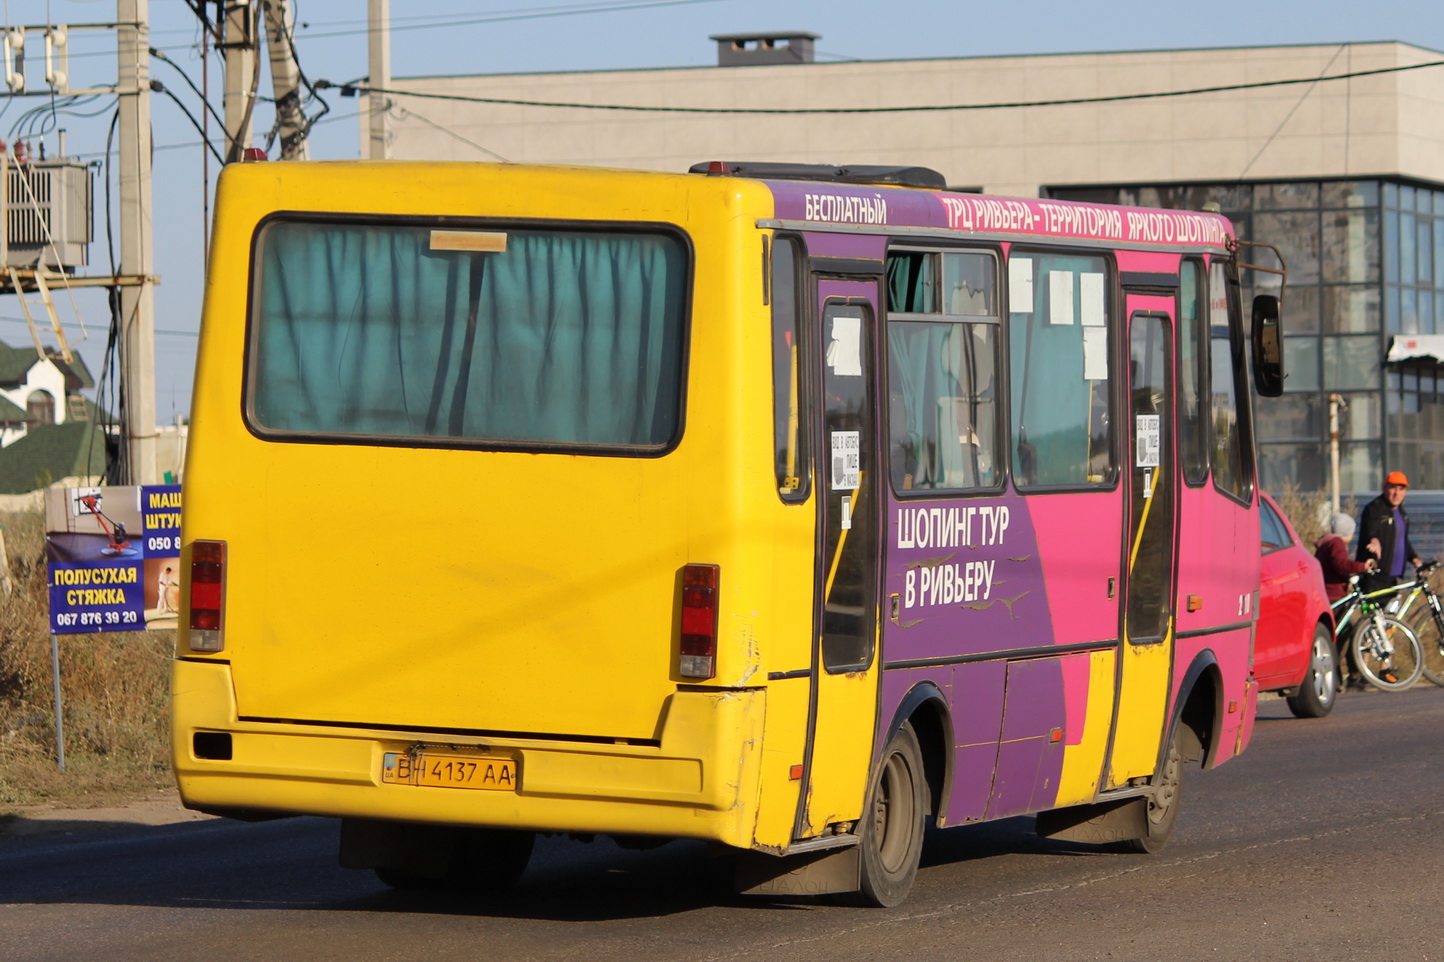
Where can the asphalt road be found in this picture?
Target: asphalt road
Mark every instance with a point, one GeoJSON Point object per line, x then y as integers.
{"type": "Point", "coordinates": [1321, 843]}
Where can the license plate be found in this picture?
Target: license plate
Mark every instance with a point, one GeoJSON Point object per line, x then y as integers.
{"type": "Point", "coordinates": [449, 770]}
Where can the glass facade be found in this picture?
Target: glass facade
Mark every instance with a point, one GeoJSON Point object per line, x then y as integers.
{"type": "Point", "coordinates": [1366, 263]}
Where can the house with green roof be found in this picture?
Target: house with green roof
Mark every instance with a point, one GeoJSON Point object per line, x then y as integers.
{"type": "Point", "coordinates": [48, 430]}
{"type": "Point", "coordinates": [12, 413]}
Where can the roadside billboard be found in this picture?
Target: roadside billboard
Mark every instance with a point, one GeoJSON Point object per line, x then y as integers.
{"type": "Point", "coordinates": [113, 554]}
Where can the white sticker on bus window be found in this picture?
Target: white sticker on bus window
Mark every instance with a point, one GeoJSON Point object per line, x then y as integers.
{"type": "Point", "coordinates": [847, 514]}
{"type": "Point", "coordinates": [1095, 354]}
{"type": "Point", "coordinates": [844, 351]}
{"type": "Point", "coordinates": [846, 460]}
{"type": "Point", "coordinates": [1148, 437]}
{"type": "Point", "coordinates": [1020, 285]}
{"type": "Point", "coordinates": [1060, 297]}
{"type": "Point", "coordinates": [1090, 298]}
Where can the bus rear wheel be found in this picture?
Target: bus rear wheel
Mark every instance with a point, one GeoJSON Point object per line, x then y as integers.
{"type": "Point", "coordinates": [892, 825]}
{"type": "Point", "coordinates": [1167, 796]}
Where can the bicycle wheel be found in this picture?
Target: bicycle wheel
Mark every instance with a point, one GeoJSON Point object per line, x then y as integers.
{"type": "Point", "coordinates": [1385, 648]}
{"type": "Point", "coordinates": [1426, 626]}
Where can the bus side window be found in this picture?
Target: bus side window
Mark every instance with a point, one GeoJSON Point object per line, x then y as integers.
{"type": "Point", "coordinates": [1193, 356]}
{"type": "Point", "coordinates": [1231, 470]}
{"type": "Point", "coordinates": [789, 426]}
{"type": "Point", "coordinates": [1058, 324]}
{"type": "Point", "coordinates": [942, 404]}
{"type": "Point", "coordinates": [942, 348]}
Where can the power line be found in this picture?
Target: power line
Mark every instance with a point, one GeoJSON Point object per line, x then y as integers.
{"type": "Point", "coordinates": [545, 13]}
{"type": "Point", "coordinates": [157, 86]}
{"type": "Point", "coordinates": [448, 131]}
{"type": "Point", "coordinates": [160, 55]}
{"type": "Point", "coordinates": [21, 321]}
{"type": "Point", "coordinates": [1288, 116]}
{"type": "Point", "coordinates": [922, 108]}
{"type": "Point", "coordinates": [196, 143]}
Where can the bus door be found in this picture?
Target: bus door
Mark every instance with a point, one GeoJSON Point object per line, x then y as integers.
{"type": "Point", "coordinates": [1145, 662]}
{"type": "Point", "coordinates": [844, 678]}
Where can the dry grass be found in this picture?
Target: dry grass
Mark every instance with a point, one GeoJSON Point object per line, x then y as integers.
{"type": "Point", "coordinates": [1308, 511]}
{"type": "Point", "coordinates": [114, 691]}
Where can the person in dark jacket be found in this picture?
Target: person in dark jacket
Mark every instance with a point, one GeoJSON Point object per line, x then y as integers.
{"type": "Point", "coordinates": [1384, 535]}
{"type": "Point", "coordinates": [1332, 550]}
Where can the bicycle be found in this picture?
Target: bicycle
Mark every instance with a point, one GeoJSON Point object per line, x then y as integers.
{"type": "Point", "coordinates": [1426, 619]}
{"type": "Point", "coordinates": [1386, 651]}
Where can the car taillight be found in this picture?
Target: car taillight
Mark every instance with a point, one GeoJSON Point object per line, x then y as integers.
{"type": "Point", "coordinates": [699, 621]}
{"type": "Point", "coordinates": [207, 595]}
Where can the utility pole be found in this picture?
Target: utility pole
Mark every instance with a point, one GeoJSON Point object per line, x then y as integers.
{"type": "Point", "coordinates": [285, 80]}
{"type": "Point", "coordinates": [1336, 402]}
{"type": "Point", "coordinates": [137, 254]}
{"type": "Point", "coordinates": [242, 73]}
{"type": "Point", "coordinates": [380, 76]}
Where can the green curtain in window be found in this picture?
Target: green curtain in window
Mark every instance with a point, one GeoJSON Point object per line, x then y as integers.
{"type": "Point", "coordinates": [569, 337]}
{"type": "Point", "coordinates": [911, 282]}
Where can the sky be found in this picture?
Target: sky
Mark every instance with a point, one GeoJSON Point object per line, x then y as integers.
{"type": "Point", "coordinates": [439, 37]}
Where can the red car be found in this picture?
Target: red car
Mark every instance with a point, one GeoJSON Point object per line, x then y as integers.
{"type": "Point", "coordinates": [1294, 649]}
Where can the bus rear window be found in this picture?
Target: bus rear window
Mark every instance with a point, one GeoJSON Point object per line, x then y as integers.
{"type": "Point", "coordinates": [508, 338]}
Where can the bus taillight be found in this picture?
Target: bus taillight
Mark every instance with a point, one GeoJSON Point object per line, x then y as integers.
{"type": "Point", "coordinates": [699, 621]}
{"type": "Point", "coordinates": [207, 597]}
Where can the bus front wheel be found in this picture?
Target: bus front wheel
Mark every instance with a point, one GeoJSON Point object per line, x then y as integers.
{"type": "Point", "coordinates": [892, 825]}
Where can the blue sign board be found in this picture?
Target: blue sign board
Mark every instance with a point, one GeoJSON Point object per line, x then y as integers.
{"type": "Point", "coordinates": [114, 557]}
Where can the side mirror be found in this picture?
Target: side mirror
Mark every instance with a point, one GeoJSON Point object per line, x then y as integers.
{"type": "Point", "coordinates": [1268, 347]}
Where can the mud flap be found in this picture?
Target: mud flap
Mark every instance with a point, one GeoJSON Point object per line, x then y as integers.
{"type": "Point", "coordinates": [811, 873]}
{"type": "Point", "coordinates": [1099, 823]}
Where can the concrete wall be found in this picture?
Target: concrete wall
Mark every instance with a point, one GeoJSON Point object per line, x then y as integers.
{"type": "Point", "coordinates": [1385, 124]}
{"type": "Point", "coordinates": [35, 500]}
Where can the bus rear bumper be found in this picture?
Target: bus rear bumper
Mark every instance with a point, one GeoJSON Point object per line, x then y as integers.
{"type": "Point", "coordinates": [698, 781]}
